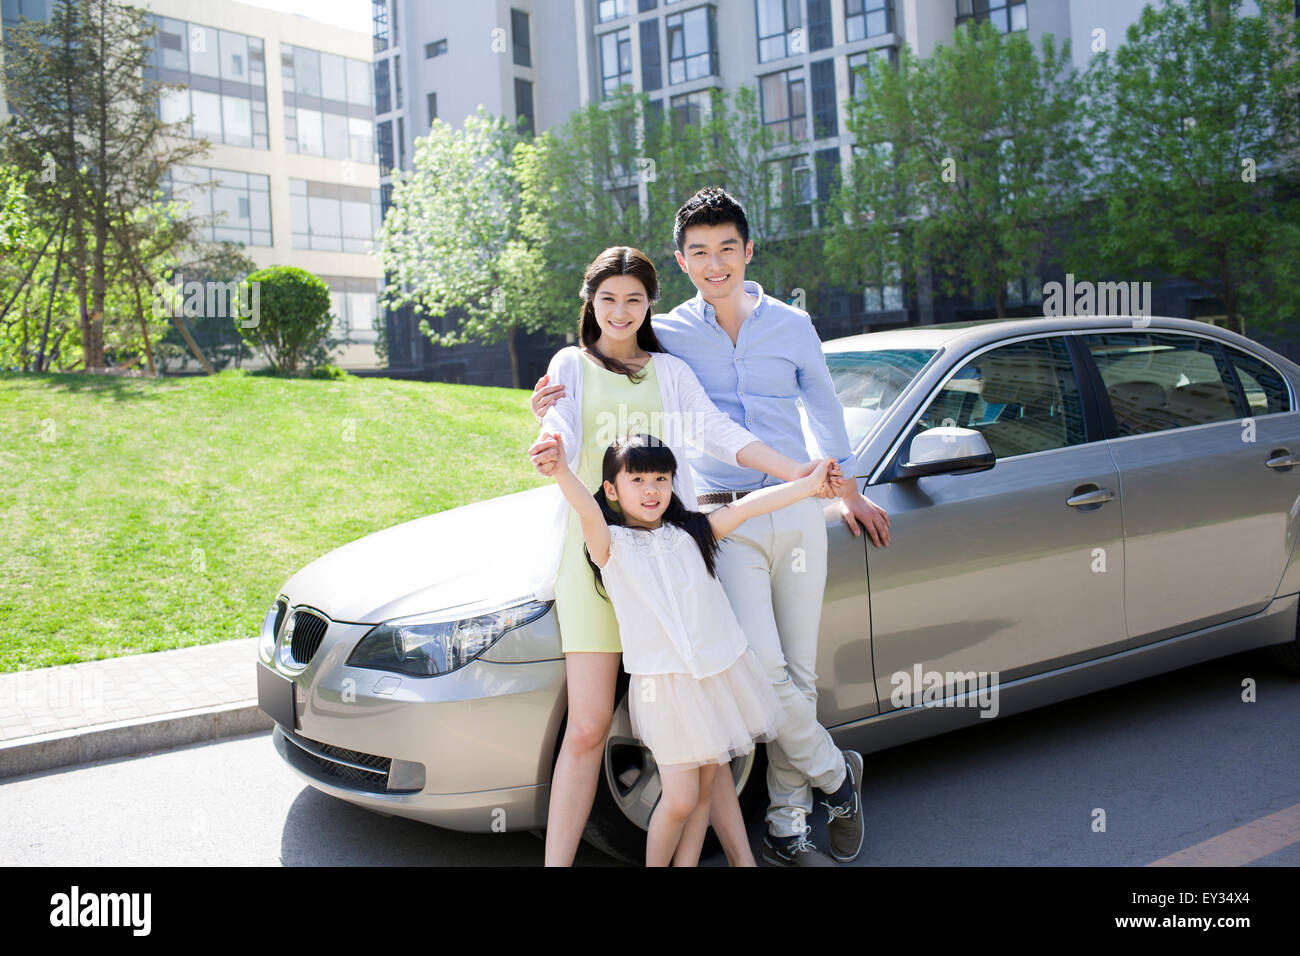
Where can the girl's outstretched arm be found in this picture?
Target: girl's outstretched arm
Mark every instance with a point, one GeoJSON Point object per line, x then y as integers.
{"type": "Point", "coordinates": [728, 518]}
{"type": "Point", "coordinates": [594, 529]}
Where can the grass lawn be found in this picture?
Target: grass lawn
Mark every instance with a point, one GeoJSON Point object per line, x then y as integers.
{"type": "Point", "coordinates": [145, 514]}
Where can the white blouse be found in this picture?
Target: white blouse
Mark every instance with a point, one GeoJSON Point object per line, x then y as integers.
{"type": "Point", "coordinates": [673, 616]}
{"type": "Point", "coordinates": [689, 421]}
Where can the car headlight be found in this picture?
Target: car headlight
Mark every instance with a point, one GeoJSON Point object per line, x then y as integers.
{"type": "Point", "coordinates": [425, 645]}
{"type": "Point", "coordinates": [270, 628]}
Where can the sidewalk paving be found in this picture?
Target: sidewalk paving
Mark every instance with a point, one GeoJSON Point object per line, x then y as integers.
{"type": "Point", "coordinates": [61, 716]}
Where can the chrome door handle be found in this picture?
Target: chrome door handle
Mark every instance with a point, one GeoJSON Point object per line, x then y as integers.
{"type": "Point", "coordinates": [1098, 497]}
{"type": "Point", "coordinates": [1284, 460]}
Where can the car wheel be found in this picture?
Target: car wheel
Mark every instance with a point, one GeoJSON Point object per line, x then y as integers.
{"type": "Point", "coordinates": [1288, 655]}
{"type": "Point", "coordinates": [628, 790]}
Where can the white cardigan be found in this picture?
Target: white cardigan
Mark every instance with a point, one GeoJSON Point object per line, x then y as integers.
{"type": "Point", "coordinates": [689, 419]}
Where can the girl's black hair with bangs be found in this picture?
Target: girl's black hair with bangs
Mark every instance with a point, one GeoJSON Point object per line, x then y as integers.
{"type": "Point", "coordinates": [641, 453]}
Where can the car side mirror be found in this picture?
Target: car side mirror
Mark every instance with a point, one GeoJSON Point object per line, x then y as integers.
{"type": "Point", "coordinates": [944, 450]}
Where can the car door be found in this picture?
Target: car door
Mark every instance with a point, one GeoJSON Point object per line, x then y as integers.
{"type": "Point", "coordinates": [1207, 521]}
{"type": "Point", "coordinates": [1017, 569]}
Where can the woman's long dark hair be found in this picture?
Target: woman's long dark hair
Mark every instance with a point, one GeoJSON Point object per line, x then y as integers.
{"type": "Point", "coordinates": [618, 261]}
{"type": "Point", "coordinates": [638, 454]}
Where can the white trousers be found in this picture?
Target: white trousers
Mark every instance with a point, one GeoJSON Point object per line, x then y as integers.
{"type": "Point", "coordinates": [773, 569]}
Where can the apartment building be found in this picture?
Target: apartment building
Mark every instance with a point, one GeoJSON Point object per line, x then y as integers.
{"type": "Point", "coordinates": [442, 60]}
{"type": "Point", "coordinates": [537, 60]}
{"type": "Point", "coordinates": [288, 105]}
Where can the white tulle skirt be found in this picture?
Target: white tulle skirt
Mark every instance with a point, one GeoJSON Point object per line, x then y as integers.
{"type": "Point", "coordinates": [688, 723]}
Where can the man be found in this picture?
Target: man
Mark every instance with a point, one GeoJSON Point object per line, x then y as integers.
{"type": "Point", "coordinates": [754, 355]}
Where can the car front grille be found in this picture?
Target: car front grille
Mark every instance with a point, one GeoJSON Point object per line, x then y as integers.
{"type": "Point", "coordinates": [360, 771]}
{"type": "Point", "coordinates": [308, 632]}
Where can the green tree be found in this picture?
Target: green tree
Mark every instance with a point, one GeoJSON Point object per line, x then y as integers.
{"type": "Point", "coordinates": [1194, 159]}
{"type": "Point", "coordinates": [451, 241]}
{"type": "Point", "coordinates": [85, 134]}
{"type": "Point", "coordinates": [616, 172]}
{"type": "Point", "coordinates": [292, 318]}
{"type": "Point", "coordinates": [581, 188]}
{"type": "Point", "coordinates": [963, 161]}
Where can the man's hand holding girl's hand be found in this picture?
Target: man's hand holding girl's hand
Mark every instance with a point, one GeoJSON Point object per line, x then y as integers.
{"type": "Point", "coordinates": [834, 480]}
{"type": "Point", "coordinates": [818, 480]}
{"type": "Point", "coordinates": [547, 455]}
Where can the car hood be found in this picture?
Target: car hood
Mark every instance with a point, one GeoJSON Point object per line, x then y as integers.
{"type": "Point", "coordinates": [473, 556]}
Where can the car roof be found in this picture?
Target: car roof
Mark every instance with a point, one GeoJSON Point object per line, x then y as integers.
{"type": "Point", "coordinates": [992, 330]}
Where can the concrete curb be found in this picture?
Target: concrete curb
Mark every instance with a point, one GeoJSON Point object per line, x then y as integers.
{"type": "Point", "coordinates": [127, 738]}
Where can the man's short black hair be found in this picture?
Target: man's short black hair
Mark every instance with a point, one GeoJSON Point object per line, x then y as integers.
{"type": "Point", "coordinates": [711, 206]}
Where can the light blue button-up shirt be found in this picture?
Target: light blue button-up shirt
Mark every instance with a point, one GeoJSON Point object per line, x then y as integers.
{"type": "Point", "coordinates": [777, 358]}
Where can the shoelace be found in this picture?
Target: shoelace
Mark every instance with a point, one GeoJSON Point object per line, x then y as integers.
{"type": "Point", "coordinates": [801, 844]}
{"type": "Point", "coordinates": [838, 812]}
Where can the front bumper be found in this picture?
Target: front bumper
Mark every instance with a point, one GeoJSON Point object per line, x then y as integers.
{"type": "Point", "coordinates": [470, 750]}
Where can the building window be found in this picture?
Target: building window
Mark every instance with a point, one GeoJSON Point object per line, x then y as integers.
{"type": "Point", "coordinates": [692, 109]}
{"type": "Point", "coordinates": [431, 104]}
{"type": "Point", "coordinates": [328, 104]}
{"type": "Point", "coordinates": [886, 296]}
{"type": "Point", "coordinates": [237, 204]}
{"type": "Point", "coordinates": [819, 25]}
{"type": "Point", "coordinates": [870, 61]}
{"type": "Point", "coordinates": [436, 48]}
{"type": "Point", "coordinates": [383, 95]}
{"type": "Point", "coordinates": [401, 141]}
{"type": "Point", "coordinates": [355, 304]}
{"type": "Point", "coordinates": [379, 15]}
{"type": "Point", "coordinates": [654, 120]}
{"type": "Point", "coordinates": [615, 61]}
{"type": "Point", "coordinates": [783, 105]}
{"type": "Point", "coordinates": [523, 51]}
{"type": "Point", "coordinates": [332, 217]}
{"type": "Point", "coordinates": [384, 143]}
{"type": "Point", "coordinates": [397, 80]}
{"type": "Point", "coordinates": [652, 72]}
{"type": "Point", "coordinates": [15, 10]}
{"type": "Point", "coordinates": [777, 21]}
{"type": "Point", "coordinates": [607, 10]}
{"type": "Point", "coordinates": [1007, 16]}
{"type": "Point", "coordinates": [867, 18]}
{"type": "Point", "coordinates": [825, 120]}
{"type": "Point", "coordinates": [224, 75]}
{"type": "Point", "coordinates": [692, 45]}
{"type": "Point", "coordinates": [826, 164]}
{"type": "Point", "coordinates": [524, 106]}
{"type": "Point", "coordinates": [791, 190]}
{"type": "Point", "coordinates": [644, 5]}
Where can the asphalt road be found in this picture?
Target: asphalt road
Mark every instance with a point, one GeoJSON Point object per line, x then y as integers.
{"type": "Point", "coordinates": [1173, 761]}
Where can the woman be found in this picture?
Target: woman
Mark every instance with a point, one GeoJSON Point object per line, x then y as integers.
{"type": "Point", "coordinates": [619, 379]}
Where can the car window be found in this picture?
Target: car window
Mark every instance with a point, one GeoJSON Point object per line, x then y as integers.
{"type": "Point", "coordinates": [1266, 392]}
{"type": "Point", "coordinates": [1023, 397]}
{"type": "Point", "coordinates": [867, 383]}
{"type": "Point", "coordinates": [1157, 381]}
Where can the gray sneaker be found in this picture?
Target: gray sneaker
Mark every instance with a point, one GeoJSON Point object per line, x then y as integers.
{"type": "Point", "coordinates": [844, 820]}
{"type": "Point", "coordinates": [795, 850]}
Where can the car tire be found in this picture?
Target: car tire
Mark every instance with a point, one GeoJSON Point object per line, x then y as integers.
{"type": "Point", "coordinates": [1288, 655]}
{"type": "Point", "coordinates": [628, 790]}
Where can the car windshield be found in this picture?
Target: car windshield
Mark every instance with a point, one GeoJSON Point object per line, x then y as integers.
{"type": "Point", "coordinates": [867, 383]}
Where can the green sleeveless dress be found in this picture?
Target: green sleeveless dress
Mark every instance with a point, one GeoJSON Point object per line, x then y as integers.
{"type": "Point", "coordinates": [610, 405]}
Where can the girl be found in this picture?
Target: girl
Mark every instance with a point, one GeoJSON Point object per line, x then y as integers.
{"type": "Point", "coordinates": [698, 695]}
{"type": "Point", "coordinates": [618, 373]}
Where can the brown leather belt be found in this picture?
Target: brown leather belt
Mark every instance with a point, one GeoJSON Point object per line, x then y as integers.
{"type": "Point", "coordinates": [720, 497]}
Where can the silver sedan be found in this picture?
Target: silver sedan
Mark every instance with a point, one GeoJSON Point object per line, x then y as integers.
{"type": "Point", "coordinates": [1074, 504]}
